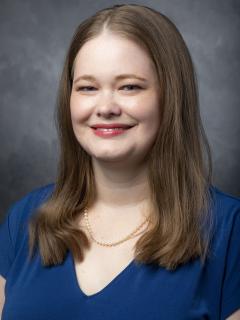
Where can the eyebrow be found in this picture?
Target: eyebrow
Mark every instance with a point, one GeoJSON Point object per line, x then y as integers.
{"type": "Point", "coordinates": [119, 77]}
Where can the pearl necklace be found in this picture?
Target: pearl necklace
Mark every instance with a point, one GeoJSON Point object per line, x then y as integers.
{"type": "Point", "coordinates": [131, 235]}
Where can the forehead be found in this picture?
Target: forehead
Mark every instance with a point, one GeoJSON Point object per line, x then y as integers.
{"type": "Point", "coordinates": [111, 52]}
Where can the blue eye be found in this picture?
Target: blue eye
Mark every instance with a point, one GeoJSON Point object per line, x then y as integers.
{"type": "Point", "coordinates": [131, 85]}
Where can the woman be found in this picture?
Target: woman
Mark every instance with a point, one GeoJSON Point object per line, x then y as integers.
{"type": "Point", "coordinates": [132, 228]}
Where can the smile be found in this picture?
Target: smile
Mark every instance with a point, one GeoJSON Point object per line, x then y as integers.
{"type": "Point", "coordinates": [109, 132]}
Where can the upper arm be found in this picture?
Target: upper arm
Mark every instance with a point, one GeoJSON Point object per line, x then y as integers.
{"type": "Point", "coordinates": [231, 283]}
{"type": "Point", "coordinates": [6, 244]}
{"type": "Point", "coordinates": [2, 296]}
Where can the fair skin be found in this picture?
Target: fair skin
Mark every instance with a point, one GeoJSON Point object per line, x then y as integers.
{"type": "Point", "coordinates": [2, 296]}
{"type": "Point", "coordinates": [118, 162]}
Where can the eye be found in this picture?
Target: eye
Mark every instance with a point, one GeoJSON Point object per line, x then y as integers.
{"type": "Point", "coordinates": [90, 88]}
{"type": "Point", "coordinates": [83, 88]}
{"type": "Point", "coordinates": [131, 86]}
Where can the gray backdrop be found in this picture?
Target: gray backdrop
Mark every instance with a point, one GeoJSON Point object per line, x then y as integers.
{"type": "Point", "coordinates": [34, 38]}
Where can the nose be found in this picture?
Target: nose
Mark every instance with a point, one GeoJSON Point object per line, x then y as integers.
{"type": "Point", "coordinates": [106, 106]}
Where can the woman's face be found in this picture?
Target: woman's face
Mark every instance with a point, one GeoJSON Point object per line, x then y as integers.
{"type": "Point", "coordinates": [105, 92]}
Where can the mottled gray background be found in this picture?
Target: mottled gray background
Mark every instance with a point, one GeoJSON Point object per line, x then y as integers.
{"type": "Point", "coordinates": [34, 38]}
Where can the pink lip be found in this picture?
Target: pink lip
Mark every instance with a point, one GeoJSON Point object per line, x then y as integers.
{"type": "Point", "coordinates": [111, 125]}
{"type": "Point", "coordinates": [110, 133]}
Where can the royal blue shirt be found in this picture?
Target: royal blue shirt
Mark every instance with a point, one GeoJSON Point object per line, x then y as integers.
{"type": "Point", "coordinates": [192, 291]}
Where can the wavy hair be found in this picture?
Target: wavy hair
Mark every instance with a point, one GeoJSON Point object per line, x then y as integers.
{"type": "Point", "coordinates": [180, 164]}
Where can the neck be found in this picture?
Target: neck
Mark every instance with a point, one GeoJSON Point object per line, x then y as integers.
{"type": "Point", "coordinates": [121, 188]}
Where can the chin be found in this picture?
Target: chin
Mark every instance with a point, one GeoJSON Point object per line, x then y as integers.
{"type": "Point", "coordinates": [111, 157]}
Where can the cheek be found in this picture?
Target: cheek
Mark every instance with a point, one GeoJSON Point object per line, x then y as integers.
{"type": "Point", "coordinates": [79, 111]}
{"type": "Point", "coordinates": [74, 108]}
{"type": "Point", "coordinates": [149, 113]}
{"type": "Point", "coordinates": [150, 119]}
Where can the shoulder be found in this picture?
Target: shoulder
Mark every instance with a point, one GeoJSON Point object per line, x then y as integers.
{"type": "Point", "coordinates": [223, 198]}
{"type": "Point", "coordinates": [19, 212]}
{"type": "Point", "coordinates": [37, 195]}
{"type": "Point", "coordinates": [226, 217]}
{"type": "Point", "coordinates": [26, 205]}
{"type": "Point", "coordinates": [30, 201]}
{"type": "Point", "coordinates": [226, 258]}
{"type": "Point", "coordinates": [226, 206]}
{"type": "Point", "coordinates": [13, 230]}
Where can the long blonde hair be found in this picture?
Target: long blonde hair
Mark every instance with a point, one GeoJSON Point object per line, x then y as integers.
{"type": "Point", "coordinates": [180, 166]}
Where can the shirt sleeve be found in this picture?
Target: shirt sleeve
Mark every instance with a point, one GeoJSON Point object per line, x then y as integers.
{"type": "Point", "coordinates": [231, 284]}
{"type": "Point", "coordinates": [14, 225]}
{"type": "Point", "coordinates": [6, 245]}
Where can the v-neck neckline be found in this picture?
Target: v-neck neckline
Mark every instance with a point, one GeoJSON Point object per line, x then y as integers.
{"type": "Point", "coordinates": [113, 282]}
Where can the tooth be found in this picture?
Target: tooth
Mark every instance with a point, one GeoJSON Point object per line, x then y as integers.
{"type": "Point", "coordinates": [104, 129]}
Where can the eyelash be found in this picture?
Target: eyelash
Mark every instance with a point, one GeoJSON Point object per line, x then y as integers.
{"type": "Point", "coordinates": [128, 85]}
